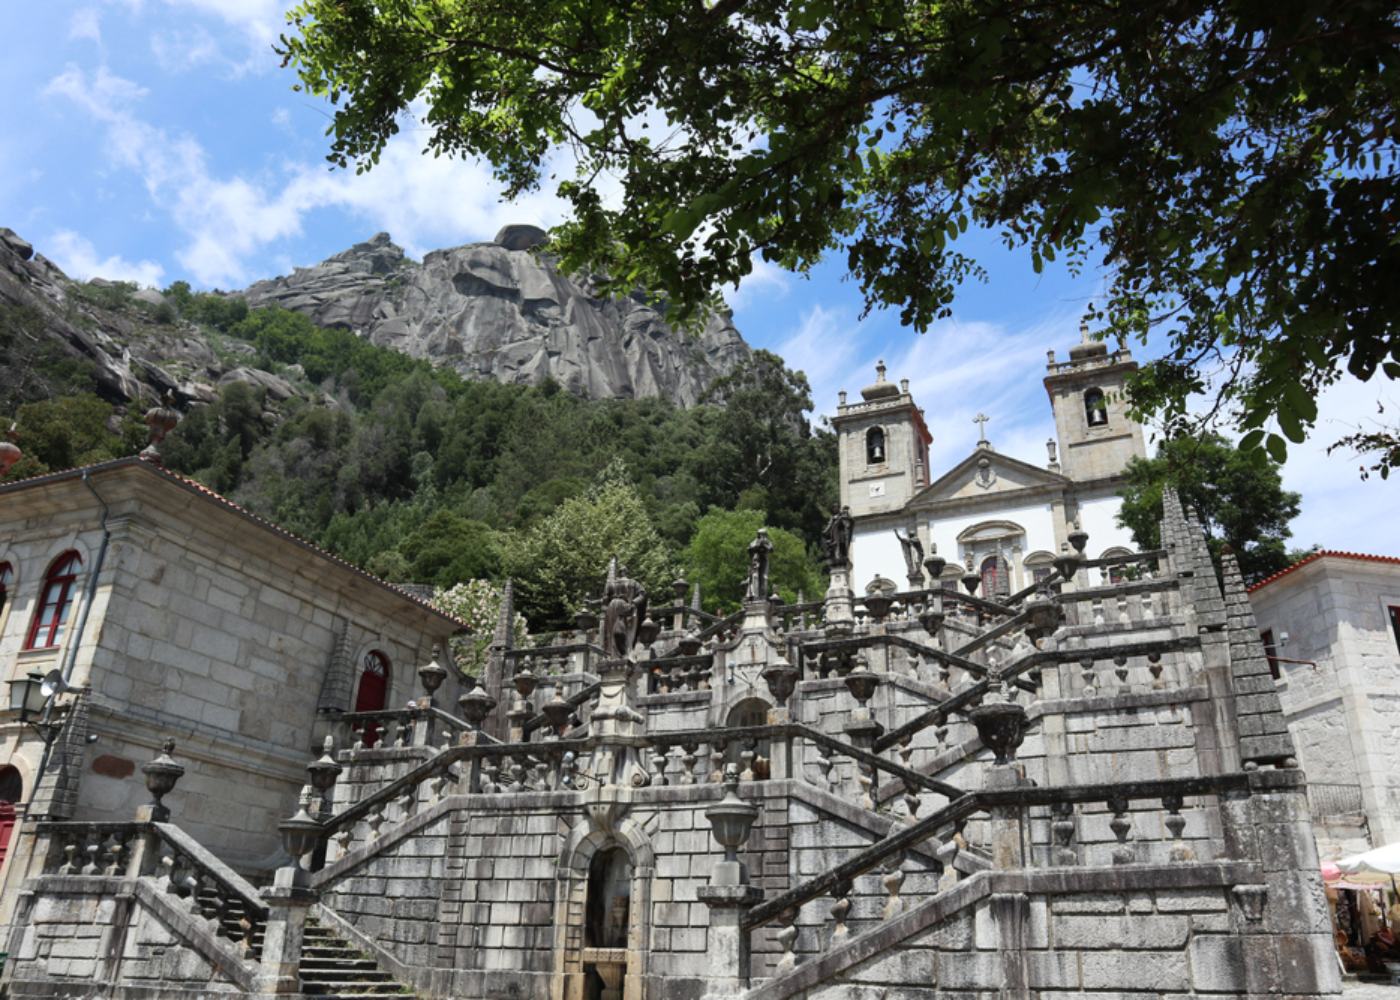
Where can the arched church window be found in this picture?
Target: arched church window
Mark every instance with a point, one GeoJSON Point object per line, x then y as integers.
{"type": "Point", "coordinates": [55, 602]}
{"type": "Point", "coordinates": [995, 579]}
{"type": "Point", "coordinates": [609, 899]}
{"type": "Point", "coordinates": [372, 693]}
{"type": "Point", "coordinates": [875, 446]}
{"type": "Point", "coordinates": [1095, 408]}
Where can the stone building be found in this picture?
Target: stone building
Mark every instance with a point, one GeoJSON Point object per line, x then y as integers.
{"type": "Point", "coordinates": [1081, 789]}
{"type": "Point", "coordinates": [1004, 517]}
{"type": "Point", "coordinates": [1331, 627]}
{"type": "Point", "coordinates": [171, 612]}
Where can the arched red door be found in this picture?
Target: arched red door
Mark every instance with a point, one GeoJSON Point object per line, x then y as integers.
{"type": "Point", "coordinates": [11, 791]}
{"type": "Point", "coordinates": [373, 691]}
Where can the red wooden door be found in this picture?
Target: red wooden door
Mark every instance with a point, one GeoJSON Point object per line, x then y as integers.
{"type": "Point", "coordinates": [373, 691]}
{"type": "Point", "coordinates": [7, 826]}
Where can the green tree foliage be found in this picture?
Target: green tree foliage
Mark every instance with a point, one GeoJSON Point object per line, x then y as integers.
{"type": "Point", "coordinates": [563, 558]}
{"type": "Point", "coordinates": [419, 475]}
{"type": "Point", "coordinates": [717, 559]}
{"type": "Point", "coordinates": [1240, 499]}
{"type": "Point", "coordinates": [33, 364]}
{"type": "Point", "coordinates": [70, 431]}
{"type": "Point", "coordinates": [447, 548]}
{"type": "Point", "coordinates": [1231, 165]}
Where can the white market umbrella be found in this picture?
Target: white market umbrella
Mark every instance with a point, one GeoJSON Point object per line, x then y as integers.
{"type": "Point", "coordinates": [1378, 866]}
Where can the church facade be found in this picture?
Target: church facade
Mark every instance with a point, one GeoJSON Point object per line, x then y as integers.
{"type": "Point", "coordinates": [1003, 518]}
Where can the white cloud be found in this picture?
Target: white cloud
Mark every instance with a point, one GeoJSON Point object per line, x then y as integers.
{"type": "Point", "coordinates": [1339, 510]}
{"type": "Point", "coordinates": [182, 50]}
{"type": "Point", "coordinates": [423, 201]}
{"type": "Point", "coordinates": [766, 280]}
{"type": "Point", "coordinates": [86, 22]}
{"type": "Point", "coordinates": [79, 259]}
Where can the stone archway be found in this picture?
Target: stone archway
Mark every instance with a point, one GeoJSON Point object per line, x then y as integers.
{"type": "Point", "coordinates": [589, 963]}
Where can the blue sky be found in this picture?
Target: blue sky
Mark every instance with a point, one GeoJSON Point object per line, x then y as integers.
{"type": "Point", "coordinates": [152, 140]}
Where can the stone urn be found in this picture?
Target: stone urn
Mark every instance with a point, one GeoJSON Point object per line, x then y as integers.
{"type": "Point", "coordinates": [971, 580]}
{"type": "Point", "coordinates": [1065, 564]}
{"type": "Point", "coordinates": [935, 564]}
{"type": "Point", "coordinates": [879, 606]}
{"type": "Point", "coordinates": [1078, 538]}
{"type": "Point", "coordinates": [1001, 726]}
{"type": "Point", "coordinates": [161, 774]}
{"type": "Point", "coordinates": [862, 681]}
{"type": "Point", "coordinates": [476, 705]}
{"type": "Point", "coordinates": [557, 711]}
{"type": "Point", "coordinates": [781, 679]}
{"type": "Point", "coordinates": [1044, 616]}
{"type": "Point", "coordinates": [432, 673]}
{"type": "Point", "coordinates": [9, 450]}
{"type": "Point", "coordinates": [731, 819]}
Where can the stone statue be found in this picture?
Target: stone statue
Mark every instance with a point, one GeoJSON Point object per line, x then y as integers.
{"type": "Point", "coordinates": [913, 552]}
{"type": "Point", "coordinates": [624, 608]}
{"type": "Point", "coordinates": [759, 551]}
{"type": "Point", "coordinates": [836, 539]}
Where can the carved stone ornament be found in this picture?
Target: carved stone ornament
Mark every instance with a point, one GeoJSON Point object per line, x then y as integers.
{"type": "Point", "coordinates": [1001, 726]}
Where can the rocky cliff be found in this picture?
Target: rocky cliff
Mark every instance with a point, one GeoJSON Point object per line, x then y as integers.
{"type": "Point", "coordinates": [501, 310]}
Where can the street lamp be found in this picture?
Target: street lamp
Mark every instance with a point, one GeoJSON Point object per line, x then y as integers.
{"type": "Point", "coordinates": [32, 696]}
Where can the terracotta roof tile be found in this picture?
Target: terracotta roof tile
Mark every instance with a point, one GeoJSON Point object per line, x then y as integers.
{"type": "Point", "coordinates": [1320, 553]}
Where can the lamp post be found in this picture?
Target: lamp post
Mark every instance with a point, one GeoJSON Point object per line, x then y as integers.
{"type": "Point", "coordinates": [33, 697]}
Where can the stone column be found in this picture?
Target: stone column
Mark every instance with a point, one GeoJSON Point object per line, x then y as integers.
{"type": "Point", "coordinates": [840, 602]}
{"type": "Point", "coordinates": [287, 902]}
{"type": "Point", "coordinates": [727, 944]}
{"type": "Point", "coordinates": [1284, 933]}
{"type": "Point", "coordinates": [1008, 833]}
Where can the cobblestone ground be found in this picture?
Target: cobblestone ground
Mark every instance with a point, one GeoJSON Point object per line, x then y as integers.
{"type": "Point", "coordinates": [1369, 991]}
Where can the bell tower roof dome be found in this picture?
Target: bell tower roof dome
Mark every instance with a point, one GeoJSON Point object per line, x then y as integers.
{"type": "Point", "coordinates": [880, 389]}
{"type": "Point", "coordinates": [1087, 347]}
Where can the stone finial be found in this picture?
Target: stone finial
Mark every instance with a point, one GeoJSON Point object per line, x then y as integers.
{"type": "Point", "coordinates": [1084, 331]}
{"type": "Point", "coordinates": [880, 370]}
{"type": "Point", "coordinates": [160, 421]}
{"type": "Point", "coordinates": [904, 386]}
{"type": "Point", "coordinates": [10, 452]}
{"type": "Point", "coordinates": [841, 398]}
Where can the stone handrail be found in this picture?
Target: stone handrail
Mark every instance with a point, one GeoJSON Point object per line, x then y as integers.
{"type": "Point", "coordinates": [787, 731]}
{"type": "Point", "coordinates": [1011, 672]}
{"type": "Point", "coordinates": [440, 766]}
{"type": "Point", "coordinates": [182, 866]}
{"type": "Point", "coordinates": [1118, 795]}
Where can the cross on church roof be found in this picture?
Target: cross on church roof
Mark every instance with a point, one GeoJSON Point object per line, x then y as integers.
{"type": "Point", "coordinates": [981, 421]}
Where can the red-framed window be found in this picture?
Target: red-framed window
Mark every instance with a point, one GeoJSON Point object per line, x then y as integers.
{"type": "Point", "coordinates": [373, 692]}
{"type": "Point", "coordinates": [994, 577]}
{"type": "Point", "coordinates": [55, 602]}
{"type": "Point", "coordinates": [7, 575]}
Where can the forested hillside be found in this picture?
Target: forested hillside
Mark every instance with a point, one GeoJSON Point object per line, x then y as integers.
{"type": "Point", "coordinates": [419, 475]}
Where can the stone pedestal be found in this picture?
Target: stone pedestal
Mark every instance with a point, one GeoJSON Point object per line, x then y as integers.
{"type": "Point", "coordinates": [142, 860]}
{"type": "Point", "coordinates": [840, 602]}
{"type": "Point", "coordinates": [1008, 834]}
{"type": "Point", "coordinates": [287, 902]}
{"type": "Point", "coordinates": [728, 943]}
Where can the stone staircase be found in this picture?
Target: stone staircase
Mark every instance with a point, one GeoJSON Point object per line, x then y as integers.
{"type": "Point", "coordinates": [332, 968]}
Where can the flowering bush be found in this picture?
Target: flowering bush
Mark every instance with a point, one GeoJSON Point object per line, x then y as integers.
{"type": "Point", "coordinates": [478, 603]}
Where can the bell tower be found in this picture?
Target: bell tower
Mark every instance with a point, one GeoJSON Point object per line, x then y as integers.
{"type": "Point", "coordinates": [1097, 436]}
{"type": "Point", "coordinates": [883, 444]}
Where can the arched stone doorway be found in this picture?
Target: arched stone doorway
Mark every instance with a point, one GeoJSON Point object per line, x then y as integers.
{"type": "Point", "coordinates": [602, 907]}
{"type": "Point", "coordinates": [750, 712]}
